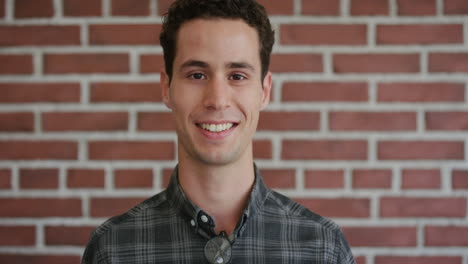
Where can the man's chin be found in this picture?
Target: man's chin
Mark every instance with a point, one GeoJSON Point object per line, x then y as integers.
{"type": "Point", "coordinates": [218, 158]}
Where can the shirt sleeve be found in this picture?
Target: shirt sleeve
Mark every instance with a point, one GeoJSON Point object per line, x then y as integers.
{"type": "Point", "coordinates": [345, 256]}
{"type": "Point", "coordinates": [92, 254]}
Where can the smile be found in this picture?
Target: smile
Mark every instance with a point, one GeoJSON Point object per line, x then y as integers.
{"type": "Point", "coordinates": [216, 127]}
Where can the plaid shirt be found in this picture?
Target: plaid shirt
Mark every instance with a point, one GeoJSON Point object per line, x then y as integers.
{"type": "Point", "coordinates": [169, 228]}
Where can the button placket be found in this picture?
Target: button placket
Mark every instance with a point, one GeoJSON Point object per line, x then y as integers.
{"type": "Point", "coordinates": [204, 218]}
{"type": "Point", "coordinates": [206, 224]}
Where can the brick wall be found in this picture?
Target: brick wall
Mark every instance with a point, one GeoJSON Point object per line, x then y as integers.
{"type": "Point", "coordinates": [368, 122]}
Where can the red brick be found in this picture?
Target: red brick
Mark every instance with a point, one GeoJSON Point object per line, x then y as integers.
{"type": "Point", "coordinates": [369, 7]}
{"type": "Point", "coordinates": [107, 207]}
{"type": "Point", "coordinates": [39, 35]}
{"type": "Point", "coordinates": [420, 179]}
{"type": "Point", "coordinates": [152, 121]}
{"type": "Point", "coordinates": [5, 179]}
{"type": "Point", "coordinates": [417, 260]}
{"type": "Point", "coordinates": [16, 122]}
{"type": "Point", "coordinates": [360, 259]}
{"type": "Point", "coordinates": [401, 236]}
{"type": "Point", "coordinates": [39, 92]}
{"type": "Point", "coordinates": [323, 34]}
{"type": "Point", "coordinates": [16, 64]}
{"type": "Point", "coordinates": [40, 207]}
{"type": "Point", "coordinates": [419, 207]}
{"type": "Point", "coordinates": [319, 179]}
{"type": "Point", "coordinates": [321, 7]}
{"type": "Point", "coordinates": [324, 150]}
{"type": "Point", "coordinates": [86, 63]}
{"type": "Point", "coordinates": [325, 91]}
{"type": "Point", "coordinates": [448, 62]}
{"type": "Point", "coordinates": [420, 34]}
{"type": "Point", "coordinates": [372, 121]}
{"type": "Point", "coordinates": [130, 8]}
{"type": "Point", "coordinates": [34, 8]}
{"type": "Point", "coordinates": [36, 150]}
{"type": "Point", "coordinates": [376, 63]}
{"type": "Point", "coordinates": [39, 178]}
{"type": "Point", "coordinates": [125, 92]}
{"type": "Point", "coordinates": [289, 121]}
{"type": "Point", "coordinates": [421, 150]}
{"type": "Point", "coordinates": [38, 259]}
{"type": "Point", "coordinates": [83, 121]}
{"type": "Point", "coordinates": [2, 8]}
{"type": "Point", "coordinates": [133, 178]}
{"type": "Point", "coordinates": [82, 8]}
{"type": "Point", "coordinates": [17, 235]}
{"type": "Point", "coordinates": [85, 178]}
{"type": "Point", "coordinates": [163, 6]}
{"type": "Point", "coordinates": [455, 7]}
{"type": "Point", "coordinates": [131, 150]}
{"type": "Point", "coordinates": [421, 92]}
{"type": "Point", "coordinates": [279, 178]}
{"type": "Point", "coordinates": [151, 63]}
{"type": "Point", "coordinates": [416, 7]}
{"type": "Point", "coordinates": [367, 178]}
{"type": "Point", "coordinates": [67, 235]}
{"type": "Point", "coordinates": [460, 179]}
{"type": "Point", "coordinates": [338, 207]}
{"type": "Point", "coordinates": [284, 7]}
{"type": "Point", "coordinates": [447, 121]}
{"type": "Point", "coordinates": [262, 149]}
{"type": "Point", "coordinates": [446, 236]}
{"type": "Point", "coordinates": [296, 63]}
{"type": "Point", "coordinates": [119, 34]}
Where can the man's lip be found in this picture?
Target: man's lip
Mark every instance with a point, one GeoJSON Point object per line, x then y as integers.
{"type": "Point", "coordinates": [216, 122]}
{"type": "Point", "coordinates": [200, 124]}
{"type": "Point", "coordinates": [216, 135]}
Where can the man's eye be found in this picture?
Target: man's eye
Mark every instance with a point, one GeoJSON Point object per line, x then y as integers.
{"type": "Point", "coordinates": [197, 76]}
{"type": "Point", "coordinates": [237, 77]}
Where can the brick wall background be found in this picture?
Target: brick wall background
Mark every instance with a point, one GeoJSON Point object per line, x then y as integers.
{"type": "Point", "coordinates": [368, 122]}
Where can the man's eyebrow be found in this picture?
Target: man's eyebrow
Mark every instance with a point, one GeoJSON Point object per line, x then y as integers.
{"type": "Point", "coordinates": [194, 63]}
{"type": "Point", "coordinates": [237, 65]}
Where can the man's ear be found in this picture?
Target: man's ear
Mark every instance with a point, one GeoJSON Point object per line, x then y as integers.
{"type": "Point", "coordinates": [267, 83]}
{"type": "Point", "coordinates": [165, 83]}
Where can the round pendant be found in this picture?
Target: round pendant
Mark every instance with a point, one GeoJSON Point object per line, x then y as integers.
{"type": "Point", "coordinates": [218, 250]}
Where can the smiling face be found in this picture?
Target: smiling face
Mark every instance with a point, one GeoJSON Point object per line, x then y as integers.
{"type": "Point", "coordinates": [216, 91]}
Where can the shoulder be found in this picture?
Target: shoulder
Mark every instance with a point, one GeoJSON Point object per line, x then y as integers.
{"type": "Point", "coordinates": [138, 217]}
{"type": "Point", "coordinates": [157, 203]}
{"type": "Point", "coordinates": [284, 207]}
{"type": "Point", "coordinates": [324, 232]}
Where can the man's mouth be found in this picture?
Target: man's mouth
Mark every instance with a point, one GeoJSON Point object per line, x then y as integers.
{"type": "Point", "coordinates": [216, 127]}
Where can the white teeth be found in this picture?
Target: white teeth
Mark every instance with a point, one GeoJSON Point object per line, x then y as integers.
{"type": "Point", "coordinates": [216, 128]}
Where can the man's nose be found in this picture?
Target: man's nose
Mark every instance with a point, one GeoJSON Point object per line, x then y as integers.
{"type": "Point", "coordinates": [217, 94]}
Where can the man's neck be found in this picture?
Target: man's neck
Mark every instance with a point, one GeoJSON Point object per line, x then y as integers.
{"type": "Point", "coordinates": [221, 191]}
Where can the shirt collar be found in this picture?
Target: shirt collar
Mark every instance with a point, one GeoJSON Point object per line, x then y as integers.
{"type": "Point", "coordinates": [194, 214]}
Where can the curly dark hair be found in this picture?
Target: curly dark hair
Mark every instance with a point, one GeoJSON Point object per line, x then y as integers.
{"type": "Point", "coordinates": [182, 11]}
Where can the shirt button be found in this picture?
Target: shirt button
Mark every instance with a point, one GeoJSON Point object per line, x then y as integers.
{"type": "Point", "coordinates": [219, 260]}
{"type": "Point", "coordinates": [192, 222]}
{"type": "Point", "coordinates": [204, 218]}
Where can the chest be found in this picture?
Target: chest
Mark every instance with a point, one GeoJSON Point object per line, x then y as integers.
{"type": "Point", "coordinates": [188, 248]}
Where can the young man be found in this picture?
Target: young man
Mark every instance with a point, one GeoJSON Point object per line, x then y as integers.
{"type": "Point", "coordinates": [216, 208]}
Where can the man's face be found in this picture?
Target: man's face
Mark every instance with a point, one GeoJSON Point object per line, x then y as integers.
{"type": "Point", "coordinates": [216, 91]}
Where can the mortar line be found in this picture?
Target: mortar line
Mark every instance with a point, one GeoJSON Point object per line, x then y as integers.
{"type": "Point", "coordinates": [297, 7]}
{"type": "Point", "coordinates": [58, 9]}
{"type": "Point", "coordinates": [9, 11]}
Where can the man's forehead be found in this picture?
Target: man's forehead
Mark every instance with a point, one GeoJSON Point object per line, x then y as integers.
{"type": "Point", "coordinates": [231, 43]}
{"type": "Point", "coordinates": [230, 65]}
{"type": "Point", "coordinates": [199, 26]}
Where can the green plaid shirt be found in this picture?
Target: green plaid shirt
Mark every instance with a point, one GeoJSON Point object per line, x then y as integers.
{"type": "Point", "coordinates": [169, 228]}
